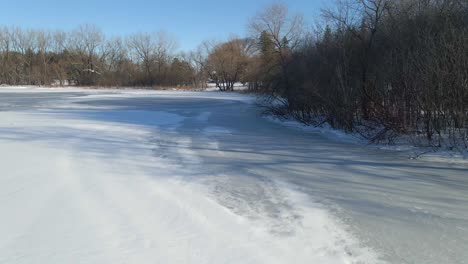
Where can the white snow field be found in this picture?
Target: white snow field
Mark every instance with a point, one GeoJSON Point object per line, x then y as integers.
{"type": "Point", "coordinates": [133, 176]}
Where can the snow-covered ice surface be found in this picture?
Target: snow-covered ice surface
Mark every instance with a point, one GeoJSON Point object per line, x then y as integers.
{"type": "Point", "coordinates": [402, 144]}
{"type": "Point", "coordinates": [128, 176]}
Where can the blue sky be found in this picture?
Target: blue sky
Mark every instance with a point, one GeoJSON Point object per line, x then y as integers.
{"type": "Point", "coordinates": [190, 22]}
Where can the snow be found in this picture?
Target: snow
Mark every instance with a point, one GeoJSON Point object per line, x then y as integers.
{"type": "Point", "coordinates": [137, 176]}
{"type": "Point", "coordinates": [237, 87]}
{"type": "Point", "coordinates": [325, 130]}
{"type": "Point", "coordinates": [116, 185]}
{"type": "Point", "coordinates": [403, 145]}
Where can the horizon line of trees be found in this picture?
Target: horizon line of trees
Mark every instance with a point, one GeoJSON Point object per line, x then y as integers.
{"type": "Point", "coordinates": [381, 68]}
{"type": "Point", "coordinates": [85, 57]}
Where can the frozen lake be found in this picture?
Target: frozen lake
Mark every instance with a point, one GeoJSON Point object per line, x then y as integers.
{"type": "Point", "coordinates": [134, 176]}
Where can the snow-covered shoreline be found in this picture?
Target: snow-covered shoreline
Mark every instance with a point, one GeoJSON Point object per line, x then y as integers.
{"type": "Point", "coordinates": [402, 146]}
{"type": "Point", "coordinates": [190, 177]}
{"type": "Point", "coordinates": [86, 183]}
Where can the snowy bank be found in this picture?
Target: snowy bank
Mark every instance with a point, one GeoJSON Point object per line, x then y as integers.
{"type": "Point", "coordinates": [403, 145]}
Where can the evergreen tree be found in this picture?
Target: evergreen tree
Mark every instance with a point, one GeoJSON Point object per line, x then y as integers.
{"type": "Point", "coordinates": [266, 44]}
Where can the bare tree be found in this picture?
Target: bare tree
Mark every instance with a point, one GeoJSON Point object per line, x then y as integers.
{"type": "Point", "coordinates": [84, 45]}
{"type": "Point", "coordinates": [285, 32]}
{"type": "Point", "coordinates": [142, 47]}
{"type": "Point", "coordinates": [6, 39]}
{"type": "Point", "coordinates": [24, 45]}
{"type": "Point", "coordinates": [44, 40]}
{"type": "Point", "coordinates": [152, 52]}
{"type": "Point", "coordinates": [228, 62]}
{"type": "Point", "coordinates": [60, 58]}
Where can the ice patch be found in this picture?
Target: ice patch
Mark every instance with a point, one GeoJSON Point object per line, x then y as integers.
{"type": "Point", "coordinates": [203, 117]}
{"type": "Point", "coordinates": [214, 130]}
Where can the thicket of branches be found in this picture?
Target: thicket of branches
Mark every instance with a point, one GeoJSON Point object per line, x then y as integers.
{"type": "Point", "coordinates": [377, 67]}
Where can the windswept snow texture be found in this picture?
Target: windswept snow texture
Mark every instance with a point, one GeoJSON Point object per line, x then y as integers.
{"type": "Point", "coordinates": [128, 176]}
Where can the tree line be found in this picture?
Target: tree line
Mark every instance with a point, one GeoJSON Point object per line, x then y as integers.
{"type": "Point", "coordinates": [85, 57]}
{"type": "Point", "coordinates": [381, 68]}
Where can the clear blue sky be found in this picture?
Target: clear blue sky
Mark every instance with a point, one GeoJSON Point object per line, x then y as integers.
{"type": "Point", "coordinates": [190, 21]}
